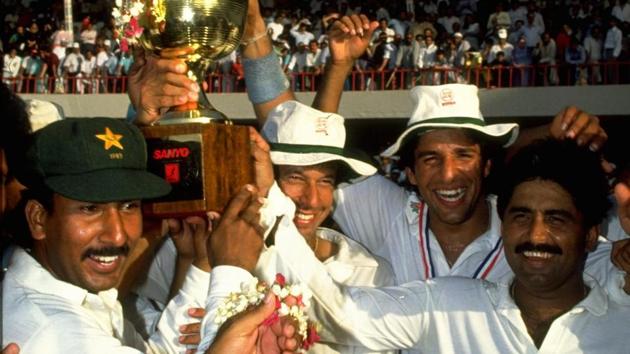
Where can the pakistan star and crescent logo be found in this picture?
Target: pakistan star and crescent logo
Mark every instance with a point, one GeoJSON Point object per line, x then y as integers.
{"type": "Point", "coordinates": [110, 139]}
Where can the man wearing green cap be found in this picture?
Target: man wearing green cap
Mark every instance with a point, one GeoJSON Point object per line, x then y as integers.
{"type": "Point", "coordinates": [85, 180]}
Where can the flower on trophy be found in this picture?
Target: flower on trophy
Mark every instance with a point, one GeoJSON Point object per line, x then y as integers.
{"type": "Point", "coordinates": [291, 300]}
{"type": "Point", "coordinates": [132, 16]}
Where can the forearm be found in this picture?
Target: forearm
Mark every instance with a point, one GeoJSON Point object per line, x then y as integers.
{"type": "Point", "coordinates": [328, 96]}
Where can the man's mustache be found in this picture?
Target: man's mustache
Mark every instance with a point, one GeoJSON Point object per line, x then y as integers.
{"type": "Point", "coordinates": [528, 246]}
{"type": "Point", "coordinates": [107, 251]}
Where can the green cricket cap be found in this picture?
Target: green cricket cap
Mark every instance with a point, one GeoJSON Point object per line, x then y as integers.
{"type": "Point", "coordinates": [92, 159]}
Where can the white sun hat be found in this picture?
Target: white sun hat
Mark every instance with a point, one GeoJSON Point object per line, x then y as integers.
{"type": "Point", "coordinates": [450, 106]}
{"type": "Point", "coordinates": [303, 136]}
{"type": "Point", "coordinates": [41, 113]}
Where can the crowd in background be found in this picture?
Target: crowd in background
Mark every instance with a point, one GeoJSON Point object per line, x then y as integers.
{"type": "Point", "coordinates": [489, 43]}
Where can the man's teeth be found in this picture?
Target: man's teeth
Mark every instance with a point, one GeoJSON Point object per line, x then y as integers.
{"type": "Point", "coordinates": [304, 217]}
{"type": "Point", "coordinates": [104, 259]}
{"type": "Point", "coordinates": [451, 195]}
{"type": "Point", "coordinates": [536, 254]}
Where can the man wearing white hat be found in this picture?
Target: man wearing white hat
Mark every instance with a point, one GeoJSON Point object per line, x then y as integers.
{"type": "Point", "coordinates": [502, 46]}
{"type": "Point", "coordinates": [309, 158]}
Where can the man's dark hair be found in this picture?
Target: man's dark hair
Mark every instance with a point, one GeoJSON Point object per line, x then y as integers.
{"type": "Point", "coordinates": [576, 169]}
{"type": "Point", "coordinates": [488, 149]}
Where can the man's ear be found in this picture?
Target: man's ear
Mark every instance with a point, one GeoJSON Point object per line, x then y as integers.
{"type": "Point", "coordinates": [591, 238]}
{"type": "Point", "coordinates": [411, 177]}
{"type": "Point", "coordinates": [36, 216]}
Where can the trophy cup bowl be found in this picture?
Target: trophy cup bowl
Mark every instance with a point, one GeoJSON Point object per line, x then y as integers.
{"type": "Point", "coordinates": [204, 163]}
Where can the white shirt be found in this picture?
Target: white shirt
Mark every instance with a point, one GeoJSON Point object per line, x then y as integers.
{"type": "Point", "coordinates": [353, 265]}
{"type": "Point", "coordinates": [452, 315]}
{"type": "Point", "coordinates": [301, 37]}
{"type": "Point", "coordinates": [72, 63]}
{"type": "Point", "coordinates": [45, 315]}
{"type": "Point", "coordinates": [11, 67]}
{"type": "Point", "coordinates": [506, 49]}
{"type": "Point", "coordinates": [613, 41]}
{"type": "Point", "coordinates": [593, 48]}
{"type": "Point", "coordinates": [88, 36]}
{"type": "Point", "coordinates": [622, 14]}
{"type": "Point", "coordinates": [426, 56]}
{"type": "Point", "coordinates": [275, 29]}
{"type": "Point", "coordinates": [385, 218]}
{"type": "Point", "coordinates": [88, 66]}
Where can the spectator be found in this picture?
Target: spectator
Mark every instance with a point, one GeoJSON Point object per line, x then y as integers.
{"type": "Point", "coordinates": [621, 11]}
{"type": "Point", "coordinates": [400, 25]}
{"type": "Point", "coordinates": [33, 37]}
{"type": "Point", "coordinates": [18, 40]}
{"type": "Point", "coordinates": [498, 19]}
{"type": "Point", "coordinates": [72, 67]}
{"type": "Point", "coordinates": [502, 46]}
{"type": "Point", "coordinates": [60, 40]}
{"type": "Point", "coordinates": [383, 27]}
{"type": "Point", "coordinates": [11, 69]}
{"type": "Point", "coordinates": [522, 60]}
{"type": "Point", "coordinates": [500, 71]}
{"type": "Point", "coordinates": [546, 53]}
{"type": "Point", "coordinates": [276, 27]}
{"type": "Point", "coordinates": [381, 54]}
{"type": "Point", "coordinates": [89, 71]}
{"type": "Point", "coordinates": [448, 20]}
{"type": "Point", "coordinates": [31, 70]}
{"type": "Point", "coordinates": [49, 72]}
{"type": "Point", "coordinates": [470, 30]}
{"type": "Point", "coordinates": [518, 11]}
{"type": "Point", "coordinates": [593, 48]}
{"type": "Point", "coordinates": [125, 63]}
{"type": "Point", "coordinates": [426, 58]}
{"type": "Point", "coordinates": [563, 39]}
{"type": "Point", "coordinates": [423, 23]}
{"type": "Point", "coordinates": [612, 49]}
{"type": "Point", "coordinates": [516, 33]}
{"type": "Point", "coordinates": [300, 33]}
{"type": "Point", "coordinates": [461, 47]}
{"type": "Point", "coordinates": [407, 56]}
{"type": "Point", "coordinates": [88, 38]}
{"type": "Point", "coordinates": [575, 58]}
{"type": "Point", "coordinates": [538, 18]}
{"type": "Point", "coordinates": [532, 32]}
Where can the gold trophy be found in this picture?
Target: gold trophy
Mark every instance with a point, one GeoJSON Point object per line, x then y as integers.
{"type": "Point", "coordinates": [196, 148]}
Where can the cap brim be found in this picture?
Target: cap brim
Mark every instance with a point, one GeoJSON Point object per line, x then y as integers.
{"type": "Point", "coordinates": [502, 134]}
{"type": "Point", "coordinates": [109, 185]}
{"type": "Point", "coordinates": [309, 159]}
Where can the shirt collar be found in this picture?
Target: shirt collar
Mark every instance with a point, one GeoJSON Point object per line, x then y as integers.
{"type": "Point", "coordinates": [596, 302]}
{"type": "Point", "coordinates": [348, 249]}
{"type": "Point", "coordinates": [30, 272]}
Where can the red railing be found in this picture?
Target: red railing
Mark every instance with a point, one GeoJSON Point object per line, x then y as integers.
{"type": "Point", "coordinates": [398, 79]}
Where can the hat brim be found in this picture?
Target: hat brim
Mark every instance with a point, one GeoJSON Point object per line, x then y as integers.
{"type": "Point", "coordinates": [502, 134]}
{"type": "Point", "coordinates": [109, 185]}
{"type": "Point", "coordinates": [315, 158]}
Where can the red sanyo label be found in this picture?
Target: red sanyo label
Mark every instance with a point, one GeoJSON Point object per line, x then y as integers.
{"type": "Point", "coordinates": [173, 153]}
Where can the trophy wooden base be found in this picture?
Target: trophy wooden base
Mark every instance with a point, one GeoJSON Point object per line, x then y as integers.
{"type": "Point", "coordinates": [206, 164]}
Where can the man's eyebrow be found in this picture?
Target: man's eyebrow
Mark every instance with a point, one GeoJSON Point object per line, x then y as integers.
{"type": "Point", "coordinates": [518, 209]}
{"type": "Point", "coordinates": [560, 212]}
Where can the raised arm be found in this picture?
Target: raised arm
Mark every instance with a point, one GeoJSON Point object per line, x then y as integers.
{"type": "Point", "coordinates": [349, 37]}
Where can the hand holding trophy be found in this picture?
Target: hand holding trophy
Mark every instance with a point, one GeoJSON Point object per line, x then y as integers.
{"type": "Point", "coordinates": [194, 147]}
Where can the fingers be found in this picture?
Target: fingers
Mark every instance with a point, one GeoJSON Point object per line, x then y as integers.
{"type": "Point", "coordinates": [197, 312]}
{"type": "Point", "coordinates": [176, 53]}
{"type": "Point", "coordinates": [191, 328]}
{"type": "Point", "coordinates": [258, 140]}
{"type": "Point", "coordinates": [581, 126]}
{"type": "Point", "coordinates": [251, 320]}
{"type": "Point", "coordinates": [11, 348]}
{"type": "Point", "coordinates": [191, 339]}
{"type": "Point", "coordinates": [622, 194]}
{"type": "Point", "coordinates": [240, 202]}
{"type": "Point", "coordinates": [251, 214]}
{"type": "Point", "coordinates": [213, 218]}
{"type": "Point", "coordinates": [621, 255]}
